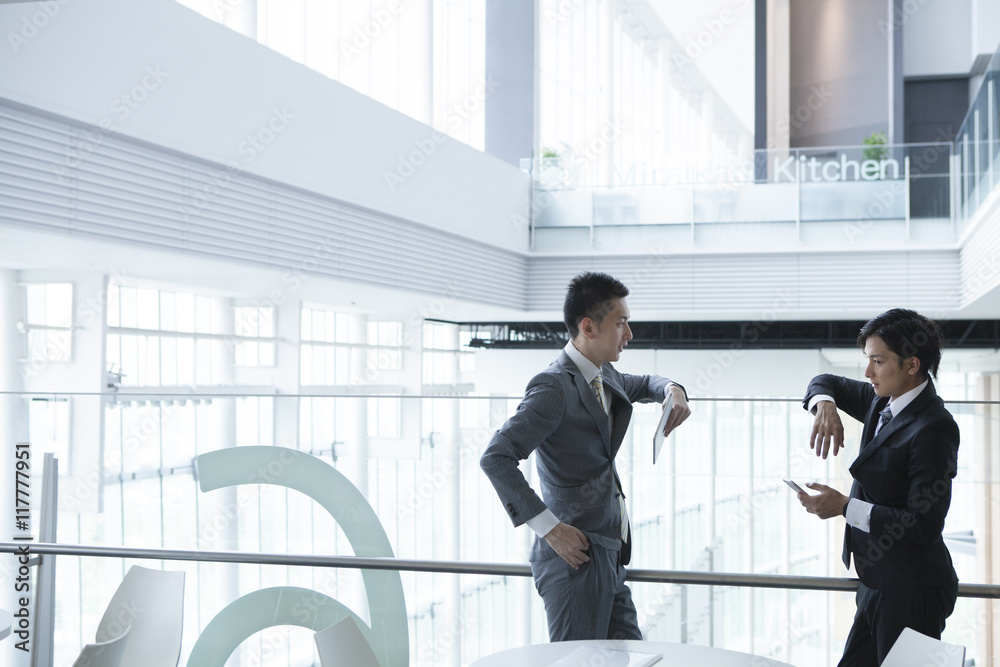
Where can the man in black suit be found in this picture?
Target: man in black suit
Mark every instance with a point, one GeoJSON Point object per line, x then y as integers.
{"type": "Point", "coordinates": [902, 483]}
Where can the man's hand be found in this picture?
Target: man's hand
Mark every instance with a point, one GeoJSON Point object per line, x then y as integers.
{"type": "Point", "coordinates": [569, 543]}
{"type": "Point", "coordinates": [828, 504]}
{"type": "Point", "coordinates": [827, 429]}
{"type": "Point", "coordinates": [681, 409]}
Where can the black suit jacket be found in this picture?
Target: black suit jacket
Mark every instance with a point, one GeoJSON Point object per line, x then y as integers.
{"type": "Point", "coordinates": [905, 472]}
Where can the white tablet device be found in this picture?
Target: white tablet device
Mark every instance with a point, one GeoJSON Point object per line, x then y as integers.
{"type": "Point", "coordinates": [658, 436]}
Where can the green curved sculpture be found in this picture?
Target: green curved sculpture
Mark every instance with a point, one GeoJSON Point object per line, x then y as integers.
{"type": "Point", "coordinates": [388, 634]}
{"type": "Point", "coordinates": [282, 605]}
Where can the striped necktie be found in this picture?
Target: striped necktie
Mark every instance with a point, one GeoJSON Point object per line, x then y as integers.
{"type": "Point", "coordinates": [597, 384]}
{"type": "Point", "coordinates": [885, 418]}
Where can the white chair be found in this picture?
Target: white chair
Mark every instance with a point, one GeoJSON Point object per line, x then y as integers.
{"type": "Point", "coordinates": [152, 603]}
{"type": "Point", "coordinates": [105, 654]}
{"type": "Point", "coordinates": [343, 645]}
{"type": "Point", "coordinates": [913, 649]}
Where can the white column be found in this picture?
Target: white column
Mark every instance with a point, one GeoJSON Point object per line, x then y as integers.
{"type": "Point", "coordinates": [450, 528]}
{"type": "Point", "coordinates": [510, 58]}
{"type": "Point", "coordinates": [988, 519]}
{"type": "Point", "coordinates": [778, 76]}
{"type": "Point", "coordinates": [287, 329]}
{"type": "Point", "coordinates": [357, 446]}
{"type": "Point", "coordinates": [228, 536]}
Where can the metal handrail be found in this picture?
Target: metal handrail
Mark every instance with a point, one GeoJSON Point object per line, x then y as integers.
{"type": "Point", "coordinates": [458, 567]}
{"type": "Point", "coordinates": [140, 393]}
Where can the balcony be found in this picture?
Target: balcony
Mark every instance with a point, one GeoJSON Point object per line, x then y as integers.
{"type": "Point", "coordinates": [724, 556]}
{"type": "Point", "coordinates": [788, 198]}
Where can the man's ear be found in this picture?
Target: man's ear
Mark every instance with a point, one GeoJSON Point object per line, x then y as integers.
{"type": "Point", "coordinates": [912, 365]}
{"type": "Point", "coordinates": [588, 328]}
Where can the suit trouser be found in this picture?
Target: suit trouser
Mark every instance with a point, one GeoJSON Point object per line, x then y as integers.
{"type": "Point", "coordinates": [883, 613]}
{"type": "Point", "coordinates": [590, 603]}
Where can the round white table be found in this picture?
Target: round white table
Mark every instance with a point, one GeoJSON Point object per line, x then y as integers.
{"type": "Point", "coordinates": [543, 655]}
{"type": "Point", "coordinates": [6, 623]}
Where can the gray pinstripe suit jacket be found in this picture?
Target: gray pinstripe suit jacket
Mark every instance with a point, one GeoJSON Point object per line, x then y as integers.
{"type": "Point", "coordinates": [561, 420]}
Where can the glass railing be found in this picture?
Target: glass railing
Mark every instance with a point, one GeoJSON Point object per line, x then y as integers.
{"type": "Point", "coordinates": [713, 504]}
{"type": "Point", "coordinates": [977, 146]}
{"type": "Point", "coordinates": [907, 187]}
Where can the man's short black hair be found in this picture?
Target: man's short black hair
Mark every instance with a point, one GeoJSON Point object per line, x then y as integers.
{"type": "Point", "coordinates": [908, 334]}
{"type": "Point", "coordinates": [590, 295]}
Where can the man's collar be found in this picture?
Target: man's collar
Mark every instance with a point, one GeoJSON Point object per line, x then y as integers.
{"type": "Point", "coordinates": [897, 405]}
{"type": "Point", "coordinates": [586, 366]}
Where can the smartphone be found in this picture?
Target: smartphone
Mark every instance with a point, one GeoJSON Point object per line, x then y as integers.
{"type": "Point", "coordinates": [795, 487]}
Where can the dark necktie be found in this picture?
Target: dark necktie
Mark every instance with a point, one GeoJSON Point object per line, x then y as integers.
{"type": "Point", "coordinates": [886, 417]}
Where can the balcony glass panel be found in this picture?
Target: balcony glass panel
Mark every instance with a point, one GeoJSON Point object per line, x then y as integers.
{"type": "Point", "coordinates": [713, 503]}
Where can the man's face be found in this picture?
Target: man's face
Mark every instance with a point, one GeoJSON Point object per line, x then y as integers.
{"type": "Point", "coordinates": [884, 371]}
{"type": "Point", "coordinates": [613, 334]}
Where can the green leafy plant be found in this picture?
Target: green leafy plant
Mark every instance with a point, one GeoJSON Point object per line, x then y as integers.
{"type": "Point", "coordinates": [877, 150]}
{"type": "Point", "coordinates": [550, 153]}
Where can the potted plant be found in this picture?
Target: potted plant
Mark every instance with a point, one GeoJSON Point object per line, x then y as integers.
{"type": "Point", "coordinates": [550, 169]}
{"type": "Point", "coordinates": [877, 147]}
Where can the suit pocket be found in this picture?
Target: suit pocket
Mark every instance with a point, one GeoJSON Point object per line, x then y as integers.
{"type": "Point", "coordinates": [885, 476]}
{"type": "Point", "coordinates": [569, 503]}
{"type": "Point", "coordinates": [893, 458]}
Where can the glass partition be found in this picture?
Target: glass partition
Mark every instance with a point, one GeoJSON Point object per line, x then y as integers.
{"type": "Point", "coordinates": [714, 502]}
{"type": "Point", "coordinates": [905, 187]}
{"type": "Point", "coordinates": [931, 190]}
{"type": "Point", "coordinates": [977, 145]}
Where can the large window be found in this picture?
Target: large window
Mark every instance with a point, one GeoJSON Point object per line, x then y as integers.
{"type": "Point", "coordinates": [326, 352]}
{"type": "Point", "coordinates": [49, 321]}
{"type": "Point", "coordinates": [633, 100]}
{"type": "Point", "coordinates": [459, 69]}
{"type": "Point", "coordinates": [425, 58]}
{"type": "Point", "coordinates": [163, 338]}
{"type": "Point", "coordinates": [714, 502]}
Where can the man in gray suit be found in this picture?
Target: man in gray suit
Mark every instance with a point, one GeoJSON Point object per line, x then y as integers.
{"type": "Point", "coordinates": [574, 416]}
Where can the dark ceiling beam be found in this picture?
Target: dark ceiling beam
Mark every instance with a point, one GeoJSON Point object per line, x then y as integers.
{"type": "Point", "coordinates": [706, 335]}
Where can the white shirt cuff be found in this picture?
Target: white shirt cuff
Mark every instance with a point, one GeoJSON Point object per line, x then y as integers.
{"type": "Point", "coordinates": [818, 398]}
{"type": "Point", "coordinates": [859, 514]}
{"type": "Point", "coordinates": [543, 523]}
{"type": "Point", "coordinates": [670, 384]}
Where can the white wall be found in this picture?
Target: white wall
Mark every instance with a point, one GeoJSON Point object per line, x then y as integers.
{"type": "Point", "coordinates": [986, 26]}
{"type": "Point", "coordinates": [159, 72]}
{"type": "Point", "coordinates": [936, 38]}
{"type": "Point", "coordinates": [943, 37]}
{"type": "Point", "coordinates": [22, 249]}
{"type": "Point", "coordinates": [839, 73]}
